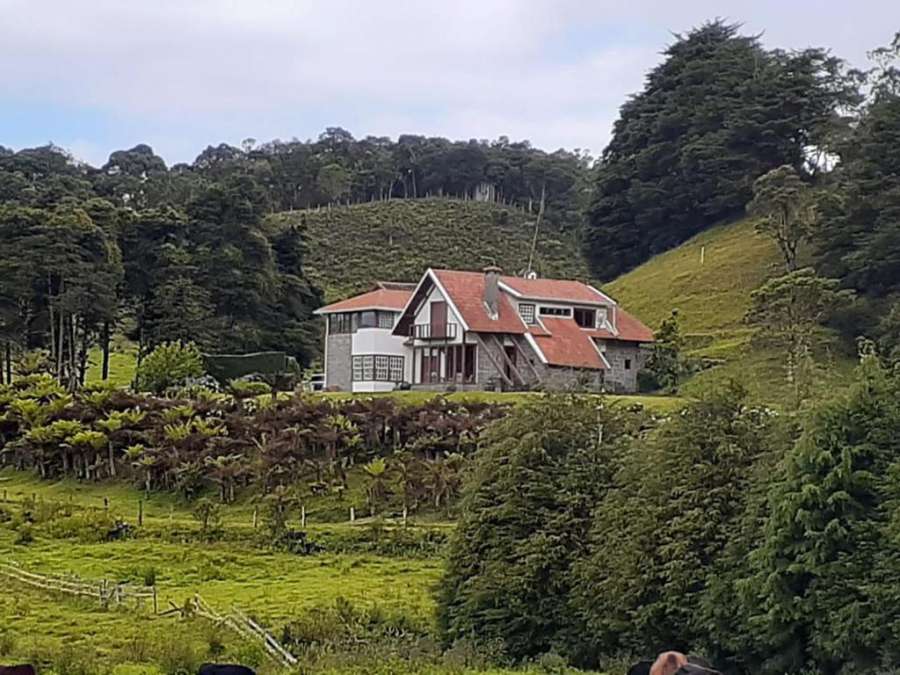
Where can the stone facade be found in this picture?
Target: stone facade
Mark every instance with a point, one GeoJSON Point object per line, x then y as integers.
{"type": "Point", "coordinates": [338, 362]}
{"type": "Point", "coordinates": [625, 359]}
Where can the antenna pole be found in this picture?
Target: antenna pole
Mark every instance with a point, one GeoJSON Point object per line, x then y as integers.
{"type": "Point", "coordinates": [537, 227]}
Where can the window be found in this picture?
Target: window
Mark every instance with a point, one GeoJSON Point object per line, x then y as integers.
{"type": "Point", "coordinates": [368, 369]}
{"type": "Point", "coordinates": [556, 311]}
{"type": "Point", "coordinates": [368, 319]}
{"type": "Point", "coordinates": [381, 368]}
{"type": "Point", "coordinates": [385, 320]}
{"type": "Point", "coordinates": [396, 369]}
{"type": "Point", "coordinates": [586, 318]}
{"type": "Point", "coordinates": [377, 368]}
{"type": "Point", "coordinates": [527, 313]}
{"type": "Point", "coordinates": [602, 316]}
{"type": "Point", "coordinates": [627, 364]}
{"type": "Point", "coordinates": [340, 323]}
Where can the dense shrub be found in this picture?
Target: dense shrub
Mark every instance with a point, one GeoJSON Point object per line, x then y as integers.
{"type": "Point", "coordinates": [214, 440]}
{"type": "Point", "coordinates": [526, 513]}
{"type": "Point", "coordinates": [170, 364]}
{"type": "Point", "coordinates": [658, 534]}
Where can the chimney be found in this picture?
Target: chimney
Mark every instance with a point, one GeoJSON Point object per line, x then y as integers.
{"type": "Point", "coordinates": [492, 290]}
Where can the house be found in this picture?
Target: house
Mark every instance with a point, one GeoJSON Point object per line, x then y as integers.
{"type": "Point", "coordinates": [482, 330]}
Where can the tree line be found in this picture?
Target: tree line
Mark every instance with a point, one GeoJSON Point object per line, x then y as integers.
{"type": "Point", "coordinates": [335, 168]}
{"type": "Point", "coordinates": [766, 542]}
{"type": "Point", "coordinates": [74, 272]}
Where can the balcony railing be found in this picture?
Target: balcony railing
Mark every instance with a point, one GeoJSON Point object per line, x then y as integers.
{"type": "Point", "coordinates": [427, 331]}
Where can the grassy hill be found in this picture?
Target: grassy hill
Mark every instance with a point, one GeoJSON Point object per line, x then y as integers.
{"type": "Point", "coordinates": [709, 280]}
{"type": "Point", "coordinates": [353, 246]}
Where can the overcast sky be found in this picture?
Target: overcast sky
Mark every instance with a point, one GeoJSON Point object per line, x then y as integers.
{"type": "Point", "coordinates": [99, 75]}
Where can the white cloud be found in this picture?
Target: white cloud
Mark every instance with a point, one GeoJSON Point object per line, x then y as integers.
{"type": "Point", "coordinates": [183, 73]}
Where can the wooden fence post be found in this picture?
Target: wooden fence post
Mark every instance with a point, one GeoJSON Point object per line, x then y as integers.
{"type": "Point", "coordinates": [155, 601]}
{"type": "Point", "coordinates": [352, 514]}
{"type": "Point", "coordinates": [255, 516]}
{"type": "Point", "coordinates": [303, 515]}
{"type": "Point", "coordinates": [405, 517]}
{"type": "Point", "coordinates": [140, 512]}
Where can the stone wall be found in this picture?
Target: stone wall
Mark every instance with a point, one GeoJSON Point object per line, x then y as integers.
{"type": "Point", "coordinates": [625, 359]}
{"type": "Point", "coordinates": [338, 362]}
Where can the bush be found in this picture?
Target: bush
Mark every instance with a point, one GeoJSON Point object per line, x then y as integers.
{"type": "Point", "coordinates": [169, 365]}
{"type": "Point", "coordinates": [7, 642]}
{"type": "Point", "coordinates": [248, 388]}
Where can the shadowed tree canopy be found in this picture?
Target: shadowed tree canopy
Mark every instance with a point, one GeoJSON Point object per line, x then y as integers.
{"type": "Point", "coordinates": [716, 114]}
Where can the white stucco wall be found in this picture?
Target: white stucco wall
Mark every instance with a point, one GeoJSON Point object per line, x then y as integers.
{"type": "Point", "coordinates": [380, 341]}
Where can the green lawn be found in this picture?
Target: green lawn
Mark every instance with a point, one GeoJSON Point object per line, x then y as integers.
{"type": "Point", "coordinates": [122, 364]}
{"type": "Point", "coordinates": [660, 404]}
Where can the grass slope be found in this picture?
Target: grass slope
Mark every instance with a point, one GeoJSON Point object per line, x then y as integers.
{"type": "Point", "coordinates": [709, 279]}
{"type": "Point", "coordinates": [351, 247]}
{"type": "Point", "coordinates": [273, 587]}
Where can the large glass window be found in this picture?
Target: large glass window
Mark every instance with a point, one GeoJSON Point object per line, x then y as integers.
{"type": "Point", "coordinates": [396, 369]}
{"type": "Point", "coordinates": [340, 323]}
{"type": "Point", "coordinates": [385, 319]}
{"type": "Point", "coordinates": [368, 319]}
{"type": "Point", "coordinates": [556, 311]}
{"type": "Point", "coordinates": [586, 318]}
{"type": "Point", "coordinates": [378, 368]}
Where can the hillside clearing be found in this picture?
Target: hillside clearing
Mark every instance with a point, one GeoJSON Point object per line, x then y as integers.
{"type": "Point", "coordinates": [351, 247]}
{"type": "Point", "coordinates": [709, 279]}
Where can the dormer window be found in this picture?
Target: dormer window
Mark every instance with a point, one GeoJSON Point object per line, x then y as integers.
{"type": "Point", "coordinates": [556, 311]}
{"type": "Point", "coordinates": [526, 311]}
{"type": "Point", "coordinates": [586, 318]}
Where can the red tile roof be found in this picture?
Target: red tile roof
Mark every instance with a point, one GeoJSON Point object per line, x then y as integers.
{"type": "Point", "coordinates": [466, 291]}
{"type": "Point", "coordinates": [567, 344]}
{"type": "Point", "coordinates": [381, 298]}
{"type": "Point", "coordinates": [628, 329]}
{"type": "Point", "coordinates": [563, 290]}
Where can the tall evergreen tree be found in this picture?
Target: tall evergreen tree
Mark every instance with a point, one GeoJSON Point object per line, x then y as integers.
{"type": "Point", "coordinates": [658, 534]}
{"type": "Point", "coordinates": [827, 572]}
{"type": "Point", "coordinates": [716, 114]}
{"type": "Point", "coordinates": [526, 512]}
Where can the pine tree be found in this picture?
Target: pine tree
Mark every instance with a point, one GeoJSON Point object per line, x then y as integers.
{"type": "Point", "coordinates": [828, 567]}
{"type": "Point", "coordinates": [525, 515]}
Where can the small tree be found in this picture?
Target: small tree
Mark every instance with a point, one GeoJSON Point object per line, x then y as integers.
{"type": "Point", "coordinates": [785, 210]}
{"type": "Point", "coordinates": [789, 309]}
{"type": "Point", "coordinates": [170, 364]}
{"type": "Point", "coordinates": [376, 473]}
{"type": "Point", "coordinates": [526, 512]}
{"type": "Point", "coordinates": [208, 514]}
{"type": "Point", "coordinates": [665, 363]}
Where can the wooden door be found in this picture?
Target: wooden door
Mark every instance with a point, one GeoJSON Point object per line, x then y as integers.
{"type": "Point", "coordinates": [438, 319]}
